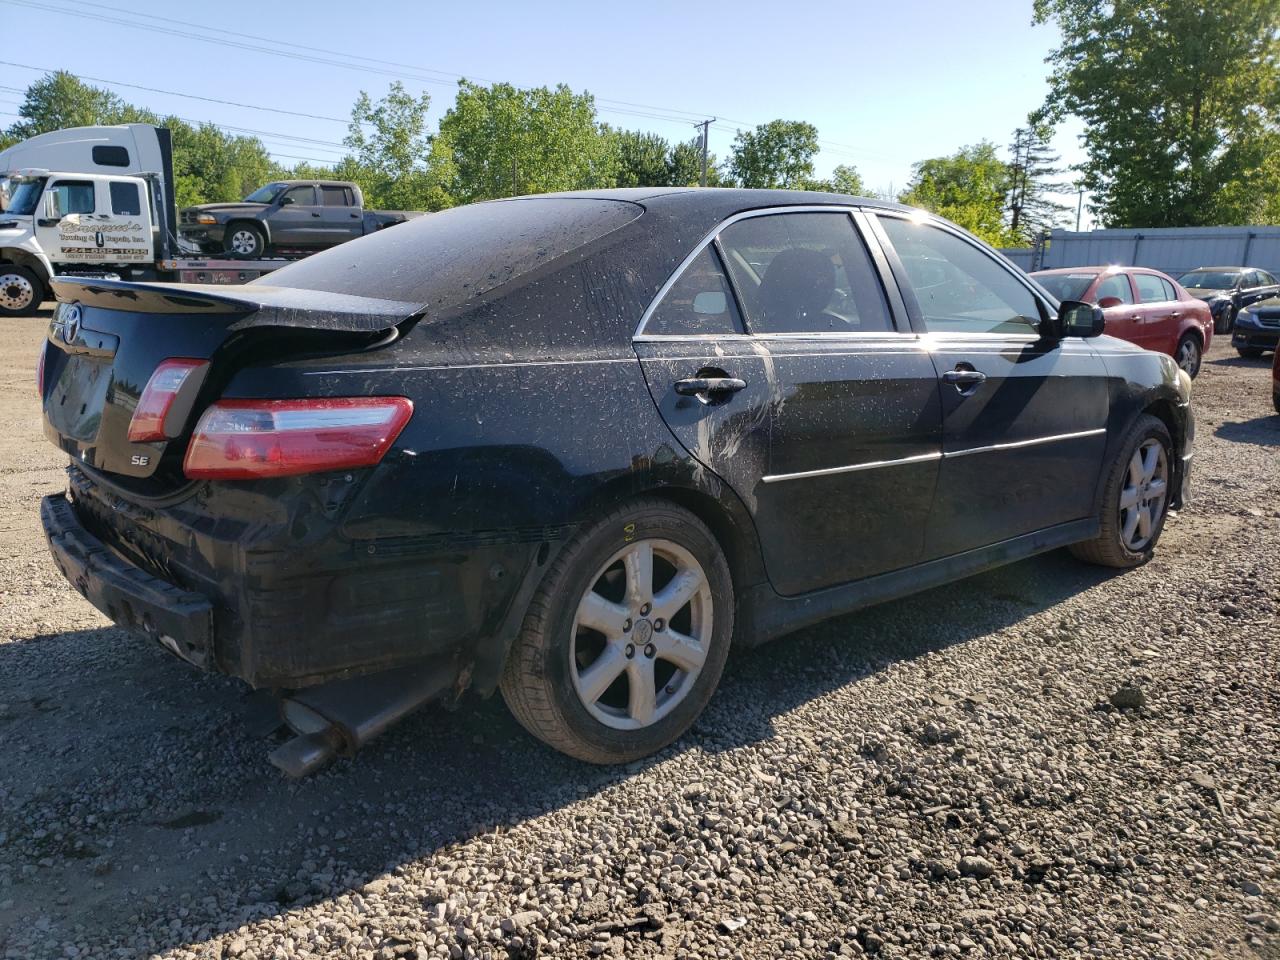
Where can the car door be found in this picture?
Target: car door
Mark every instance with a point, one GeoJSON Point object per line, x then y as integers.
{"type": "Point", "coordinates": [296, 220]}
{"type": "Point", "coordinates": [1024, 419]}
{"type": "Point", "coordinates": [832, 437]}
{"type": "Point", "coordinates": [1123, 318]}
{"type": "Point", "coordinates": [339, 215]}
{"type": "Point", "coordinates": [1254, 287]}
{"type": "Point", "coordinates": [1157, 312]}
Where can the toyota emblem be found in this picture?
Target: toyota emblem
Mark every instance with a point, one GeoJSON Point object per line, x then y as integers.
{"type": "Point", "coordinates": [71, 323]}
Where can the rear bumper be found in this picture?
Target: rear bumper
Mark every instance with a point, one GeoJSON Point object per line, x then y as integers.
{"type": "Point", "coordinates": [180, 620]}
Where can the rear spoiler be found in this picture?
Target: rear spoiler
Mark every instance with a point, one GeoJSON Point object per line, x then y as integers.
{"type": "Point", "coordinates": [262, 305]}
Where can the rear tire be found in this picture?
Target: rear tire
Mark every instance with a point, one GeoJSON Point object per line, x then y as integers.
{"type": "Point", "coordinates": [1249, 353]}
{"type": "Point", "coordinates": [21, 291]}
{"type": "Point", "coordinates": [1132, 482]}
{"type": "Point", "coordinates": [245, 240]}
{"type": "Point", "coordinates": [605, 670]}
{"type": "Point", "coordinates": [1188, 354]}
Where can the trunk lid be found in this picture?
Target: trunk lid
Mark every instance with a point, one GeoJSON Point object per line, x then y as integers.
{"type": "Point", "coordinates": [108, 337]}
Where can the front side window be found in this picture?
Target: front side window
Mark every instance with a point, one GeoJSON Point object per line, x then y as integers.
{"type": "Point", "coordinates": [71, 196]}
{"type": "Point", "coordinates": [301, 196]}
{"type": "Point", "coordinates": [960, 289]}
{"type": "Point", "coordinates": [125, 199]}
{"type": "Point", "coordinates": [804, 273]}
{"type": "Point", "coordinates": [1116, 285]}
{"type": "Point", "coordinates": [698, 303]}
{"type": "Point", "coordinates": [1150, 289]}
{"type": "Point", "coordinates": [264, 194]}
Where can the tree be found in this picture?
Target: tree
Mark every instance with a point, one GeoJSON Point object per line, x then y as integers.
{"type": "Point", "coordinates": [394, 156]}
{"type": "Point", "coordinates": [775, 154]}
{"type": "Point", "coordinates": [1180, 100]}
{"type": "Point", "coordinates": [59, 100]}
{"type": "Point", "coordinates": [641, 159]}
{"type": "Point", "coordinates": [968, 188]}
{"type": "Point", "coordinates": [684, 165]}
{"type": "Point", "coordinates": [844, 179]}
{"type": "Point", "coordinates": [1032, 208]}
{"type": "Point", "coordinates": [503, 140]}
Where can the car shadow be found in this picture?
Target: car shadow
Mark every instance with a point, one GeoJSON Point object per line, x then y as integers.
{"type": "Point", "coordinates": [1238, 361]}
{"type": "Point", "coordinates": [1264, 431]}
{"type": "Point", "coordinates": [136, 784]}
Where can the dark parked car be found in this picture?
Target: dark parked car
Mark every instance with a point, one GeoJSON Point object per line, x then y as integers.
{"type": "Point", "coordinates": [287, 214]}
{"type": "Point", "coordinates": [572, 446]}
{"type": "Point", "coordinates": [1275, 380]}
{"type": "Point", "coordinates": [1257, 328]}
{"type": "Point", "coordinates": [1228, 289]}
{"type": "Point", "coordinates": [1142, 306]}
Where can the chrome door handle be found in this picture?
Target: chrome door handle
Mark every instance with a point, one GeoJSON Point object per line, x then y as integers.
{"type": "Point", "coordinates": [693, 386]}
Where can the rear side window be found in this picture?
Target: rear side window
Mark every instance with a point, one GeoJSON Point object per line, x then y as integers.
{"type": "Point", "coordinates": [125, 199]}
{"type": "Point", "coordinates": [959, 288]}
{"type": "Point", "coordinates": [699, 302]}
{"type": "Point", "coordinates": [335, 196]}
{"type": "Point", "coordinates": [111, 156]}
{"type": "Point", "coordinates": [804, 273]}
{"type": "Point", "coordinates": [1169, 292]}
{"type": "Point", "coordinates": [1116, 285]}
{"type": "Point", "coordinates": [72, 196]}
{"type": "Point", "coordinates": [1150, 289]}
{"type": "Point", "coordinates": [1265, 278]}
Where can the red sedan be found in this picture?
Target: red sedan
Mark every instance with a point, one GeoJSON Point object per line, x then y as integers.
{"type": "Point", "coordinates": [1142, 306]}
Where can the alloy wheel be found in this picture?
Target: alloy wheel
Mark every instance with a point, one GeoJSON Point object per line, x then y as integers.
{"type": "Point", "coordinates": [16, 291]}
{"type": "Point", "coordinates": [1188, 357]}
{"type": "Point", "coordinates": [641, 634]}
{"type": "Point", "coordinates": [1144, 495]}
{"type": "Point", "coordinates": [244, 242]}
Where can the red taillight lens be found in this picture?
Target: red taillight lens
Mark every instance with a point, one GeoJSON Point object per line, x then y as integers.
{"type": "Point", "coordinates": [249, 439]}
{"type": "Point", "coordinates": [156, 402]}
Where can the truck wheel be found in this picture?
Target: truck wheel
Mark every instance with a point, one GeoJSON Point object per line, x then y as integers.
{"type": "Point", "coordinates": [1136, 499]}
{"type": "Point", "coordinates": [1188, 354]}
{"type": "Point", "coordinates": [625, 640]}
{"type": "Point", "coordinates": [246, 240]}
{"type": "Point", "coordinates": [21, 291]}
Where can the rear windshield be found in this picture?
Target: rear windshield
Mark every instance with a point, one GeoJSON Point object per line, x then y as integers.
{"type": "Point", "coordinates": [1209, 280]}
{"type": "Point", "coordinates": [1065, 286]}
{"type": "Point", "coordinates": [442, 260]}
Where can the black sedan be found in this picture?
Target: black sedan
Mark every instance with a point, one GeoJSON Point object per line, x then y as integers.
{"type": "Point", "coordinates": [1257, 328]}
{"type": "Point", "coordinates": [1228, 290]}
{"type": "Point", "coordinates": [572, 447]}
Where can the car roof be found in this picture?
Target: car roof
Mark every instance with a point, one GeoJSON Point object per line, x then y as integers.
{"type": "Point", "coordinates": [720, 202]}
{"type": "Point", "coordinates": [1223, 269]}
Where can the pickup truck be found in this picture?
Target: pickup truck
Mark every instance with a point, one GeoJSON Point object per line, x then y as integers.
{"type": "Point", "coordinates": [285, 215]}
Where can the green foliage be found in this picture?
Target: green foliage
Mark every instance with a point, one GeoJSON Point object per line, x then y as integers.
{"type": "Point", "coordinates": [503, 140]}
{"type": "Point", "coordinates": [60, 100]}
{"type": "Point", "coordinates": [1032, 207]}
{"type": "Point", "coordinates": [844, 179]}
{"type": "Point", "coordinates": [777, 154]}
{"type": "Point", "coordinates": [641, 158]}
{"type": "Point", "coordinates": [968, 188]}
{"type": "Point", "coordinates": [394, 158]}
{"type": "Point", "coordinates": [684, 165]}
{"type": "Point", "coordinates": [1181, 102]}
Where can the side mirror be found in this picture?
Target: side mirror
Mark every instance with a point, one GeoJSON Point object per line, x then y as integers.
{"type": "Point", "coordinates": [287, 201]}
{"type": "Point", "coordinates": [1106, 303]}
{"type": "Point", "coordinates": [1077, 319]}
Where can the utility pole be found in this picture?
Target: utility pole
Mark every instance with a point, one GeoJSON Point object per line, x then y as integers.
{"type": "Point", "coordinates": [1079, 205]}
{"type": "Point", "coordinates": [705, 124]}
{"type": "Point", "coordinates": [515, 177]}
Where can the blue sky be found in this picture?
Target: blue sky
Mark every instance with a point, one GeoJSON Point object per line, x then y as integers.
{"type": "Point", "coordinates": [886, 84]}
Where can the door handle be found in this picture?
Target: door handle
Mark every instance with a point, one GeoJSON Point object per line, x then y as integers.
{"type": "Point", "coordinates": [314, 214]}
{"type": "Point", "coordinates": [1176, 314]}
{"type": "Point", "coordinates": [355, 216]}
{"type": "Point", "coordinates": [1135, 316]}
{"type": "Point", "coordinates": [692, 386]}
{"type": "Point", "coordinates": [961, 377]}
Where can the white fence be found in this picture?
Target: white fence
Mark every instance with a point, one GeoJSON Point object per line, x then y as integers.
{"type": "Point", "coordinates": [1173, 250]}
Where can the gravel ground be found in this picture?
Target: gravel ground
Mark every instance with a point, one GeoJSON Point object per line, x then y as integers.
{"type": "Point", "coordinates": [1048, 760]}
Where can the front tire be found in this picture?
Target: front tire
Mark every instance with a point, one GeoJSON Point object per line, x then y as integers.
{"type": "Point", "coordinates": [1136, 499]}
{"type": "Point", "coordinates": [21, 291]}
{"type": "Point", "coordinates": [625, 640]}
{"type": "Point", "coordinates": [1249, 353]}
{"type": "Point", "coordinates": [245, 240]}
{"type": "Point", "coordinates": [1188, 354]}
{"type": "Point", "coordinates": [1225, 320]}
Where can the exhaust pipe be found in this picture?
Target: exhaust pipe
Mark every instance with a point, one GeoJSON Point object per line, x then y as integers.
{"type": "Point", "coordinates": [338, 718]}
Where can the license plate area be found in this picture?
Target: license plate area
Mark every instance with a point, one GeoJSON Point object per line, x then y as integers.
{"type": "Point", "coordinates": [75, 407]}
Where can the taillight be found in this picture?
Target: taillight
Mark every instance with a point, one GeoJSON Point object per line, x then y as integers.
{"type": "Point", "coordinates": [249, 439]}
{"type": "Point", "coordinates": [156, 405]}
